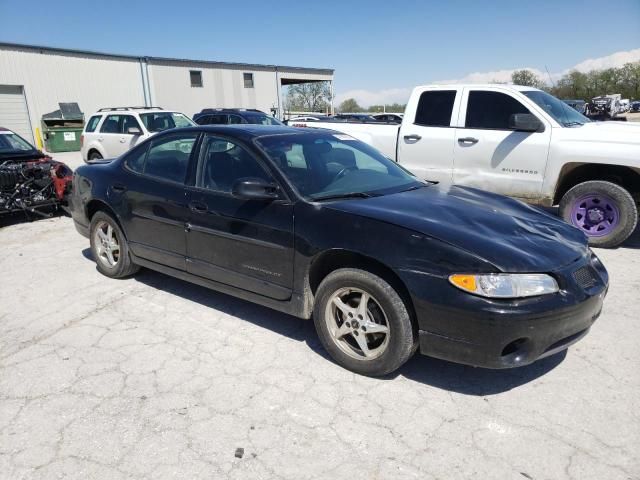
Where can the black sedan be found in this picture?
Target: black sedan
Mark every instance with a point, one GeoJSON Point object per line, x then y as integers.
{"type": "Point", "coordinates": [319, 225]}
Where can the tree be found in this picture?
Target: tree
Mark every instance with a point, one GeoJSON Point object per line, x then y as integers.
{"type": "Point", "coordinates": [309, 97]}
{"type": "Point", "coordinates": [350, 105]}
{"type": "Point", "coordinates": [526, 78]}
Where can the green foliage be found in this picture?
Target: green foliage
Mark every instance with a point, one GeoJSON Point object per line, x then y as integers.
{"type": "Point", "coordinates": [309, 97]}
{"type": "Point", "coordinates": [350, 106]}
{"type": "Point", "coordinates": [624, 80]}
{"type": "Point", "coordinates": [526, 78]}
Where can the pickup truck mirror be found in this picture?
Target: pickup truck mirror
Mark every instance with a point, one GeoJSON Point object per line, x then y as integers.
{"type": "Point", "coordinates": [134, 131]}
{"type": "Point", "coordinates": [525, 122]}
{"type": "Point", "coordinates": [252, 188]}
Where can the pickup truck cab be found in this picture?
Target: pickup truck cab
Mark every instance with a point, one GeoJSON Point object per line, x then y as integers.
{"type": "Point", "coordinates": [522, 142]}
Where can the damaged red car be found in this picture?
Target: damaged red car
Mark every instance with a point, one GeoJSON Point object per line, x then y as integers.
{"type": "Point", "coordinates": [30, 181]}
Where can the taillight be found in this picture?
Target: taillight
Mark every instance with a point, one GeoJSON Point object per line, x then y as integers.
{"type": "Point", "coordinates": [81, 139]}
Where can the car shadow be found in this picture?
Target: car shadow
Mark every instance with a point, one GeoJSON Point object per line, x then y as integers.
{"type": "Point", "coordinates": [429, 371]}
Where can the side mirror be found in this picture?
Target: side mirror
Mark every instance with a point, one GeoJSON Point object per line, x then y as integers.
{"type": "Point", "coordinates": [134, 131]}
{"type": "Point", "coordinates": [525, 122]}
{"type": "Point", "coordinates": [252, 188]}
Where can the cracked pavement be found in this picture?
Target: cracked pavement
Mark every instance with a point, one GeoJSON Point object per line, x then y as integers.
{"type": "Point", "coordinates": [155, 378]}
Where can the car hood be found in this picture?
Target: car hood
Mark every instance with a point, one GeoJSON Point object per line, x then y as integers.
{"type": "Point", "coordinates": [605, 132]}
{"type": "Point", "coordinates": [510, 234]}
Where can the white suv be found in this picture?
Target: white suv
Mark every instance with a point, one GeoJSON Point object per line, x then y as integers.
{"type": "Point", "coordinates": [112, 131]}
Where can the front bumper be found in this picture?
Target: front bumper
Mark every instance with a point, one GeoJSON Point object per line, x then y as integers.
{"type": "Point", "coordinates": [490, 333]}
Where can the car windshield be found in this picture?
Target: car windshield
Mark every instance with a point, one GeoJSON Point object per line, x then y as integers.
{"type": "Point", "coordinates": [12, 143]}
{"type": "Point", "coordinates": [159, 121]}
{"type": "Point", "coordinates": [262, 120]}
{"type": "Point", "coordinates": [327, 165]}
{"type": "Point", "coordinates": [560, 111]}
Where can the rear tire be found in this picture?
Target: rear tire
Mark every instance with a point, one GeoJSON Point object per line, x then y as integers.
{"type": "Point", "coordinates": [371, 339]}
{"type": "Point", "coordinates": [604, 211]}
{"type": "Point", "coordinates": [109, 247]}
{"type": "Point", "coordinates": [95, 156]}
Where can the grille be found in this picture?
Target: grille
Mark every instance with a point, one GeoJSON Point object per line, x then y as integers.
{"type": "Point", "coordinates": [585, 276]}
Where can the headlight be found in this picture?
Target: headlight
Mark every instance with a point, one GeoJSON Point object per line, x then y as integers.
{"type": "Point", "coordinates": [506, 285]}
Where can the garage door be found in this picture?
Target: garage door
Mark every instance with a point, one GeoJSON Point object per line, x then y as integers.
{"type": "Point", "coordinates": [13, 111]}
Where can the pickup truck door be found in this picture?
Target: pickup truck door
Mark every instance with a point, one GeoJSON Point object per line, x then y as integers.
{"type": "Point", "coordinates": [490, 155]}
{"type": "Point", "coordinates": [427, 135]}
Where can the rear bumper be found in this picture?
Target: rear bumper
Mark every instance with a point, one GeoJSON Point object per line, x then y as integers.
{"type": "Point", "coordinates": [463, 328]}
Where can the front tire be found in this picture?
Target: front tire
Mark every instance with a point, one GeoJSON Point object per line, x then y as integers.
{"type": "Point", "coordinates": [109, 247]}
{"type": "Point", "coordinates": [604, 211]}
{"type": "Point", "coordinates": [371, 338]}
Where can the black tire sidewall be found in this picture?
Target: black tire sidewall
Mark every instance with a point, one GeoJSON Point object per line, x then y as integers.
{"type": "Point", "coordinates": [402, 338]}
{"type": "Point", "coordinates": [95, 156]}
{"type": "Point", "coordinates": [624, 202]}
{"type": "Point", "coordinates": [124, 267]}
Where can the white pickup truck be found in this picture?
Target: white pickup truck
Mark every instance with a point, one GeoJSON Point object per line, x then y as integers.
{"type": "Point", "coordinates": [521, 142]}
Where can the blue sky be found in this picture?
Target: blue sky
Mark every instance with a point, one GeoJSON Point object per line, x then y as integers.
{"type": "Point", "coordinates": [378, 48]}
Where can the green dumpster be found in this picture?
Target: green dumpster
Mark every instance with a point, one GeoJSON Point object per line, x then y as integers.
{"type": "Point", "coordinates": [62, 129]}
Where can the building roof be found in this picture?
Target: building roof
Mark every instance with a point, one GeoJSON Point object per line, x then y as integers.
{"type": "Point", "coordinates": [323, 71]}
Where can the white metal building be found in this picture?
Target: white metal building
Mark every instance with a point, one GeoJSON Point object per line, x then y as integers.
{"type": "Point", "coordinates": [33, 80]}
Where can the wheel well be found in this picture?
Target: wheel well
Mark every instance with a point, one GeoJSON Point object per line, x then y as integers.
{"type": "Point", "coordinates": [332, 260]}
{"type": "Point", "coordinates": [574, 173]}
{"type": "Point", "coordinates": [95, 206]}
{"type": "Point", "coordinates": [93, 150]}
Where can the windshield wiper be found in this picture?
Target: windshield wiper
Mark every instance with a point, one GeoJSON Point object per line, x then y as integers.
{"type": "Point", "coordinates": [343, 195]}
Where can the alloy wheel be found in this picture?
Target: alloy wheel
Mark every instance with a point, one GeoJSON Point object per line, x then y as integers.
{"type": "Point", "coordinates": [106, 245]}
{"type": "Point", "coordinates": [357, 324]}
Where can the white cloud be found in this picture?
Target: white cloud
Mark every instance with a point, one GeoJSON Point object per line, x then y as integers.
{"type": "Point", "coordinates": [401, 95]}
{"type": "Point", "coordinates": [614, 60]}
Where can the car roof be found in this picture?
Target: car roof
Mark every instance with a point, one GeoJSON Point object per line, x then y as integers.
{"type": "Point", "coordinates": [245, 131]}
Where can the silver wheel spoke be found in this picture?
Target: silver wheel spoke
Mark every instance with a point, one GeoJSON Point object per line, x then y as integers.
{"type": "Point", "coordinates": [102, 235]}
{"type": "Point", "coordinates": [361, 340]}
{"type": "Point", "coordinates": [109, 232]}
{"type": "Point", "coordinates": [362, 306]}
{"type": "Point", "coordinates": [110, 258]}
{"type": "Point", "coordinates": [343, 307]}
{"type": "Point", "coordinates": [342, 330]}
{"type": "Point", "coordinates": [376, 328]}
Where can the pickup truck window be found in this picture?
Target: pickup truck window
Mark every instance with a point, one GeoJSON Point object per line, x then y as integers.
{"type": "Point", "coordinates": [491, 110]}
{"type": "Point", "coordinates": [560, 111]}
{"type": "Point", "coordinates": [435, 108]}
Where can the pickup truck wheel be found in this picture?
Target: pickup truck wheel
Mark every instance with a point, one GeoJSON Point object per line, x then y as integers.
{"type": "Point", "coordinates": [604, 211]}
{"type": "Point", "coordinates": [109, 247]}
{"type": "Point", "coordinates": [363, 323]}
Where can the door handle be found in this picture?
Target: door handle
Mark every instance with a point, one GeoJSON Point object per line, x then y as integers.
{"type": "Point", "coordinates": [122, 140]}
{"type": "Point", "coordinates": [118, 187]}
{"type": "Point", "coordinates": [470, 140]}
{"type": "Point", "coordinates": [412, 138]}
{"type": "Point", "coordinates": [100, 139]}
{"type": "Point", "coordinates": [198, 207]}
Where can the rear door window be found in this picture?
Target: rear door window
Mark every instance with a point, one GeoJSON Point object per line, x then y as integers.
{"type": "Point", "coordinates": [92, 123]}
{"type": "Point", "coordinates": [129, 121]}
{"type": "Point", "coordinates": [491, 110]}
{"type": "Point", "coordinates": [435, 108]}
{"type": "Point", "coordinates": [111, 124]}
{"type": "Point", "coordinates": [168, 157]}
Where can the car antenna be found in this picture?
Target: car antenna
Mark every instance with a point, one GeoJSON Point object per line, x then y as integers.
{"type": "Point", "coordinates": [550, 79]}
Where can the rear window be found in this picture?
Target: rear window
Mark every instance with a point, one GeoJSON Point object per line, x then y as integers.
{"type": "Point", "coordinates": [435, 108]}
{"type": "Point", "coordinates": [92, 123]}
